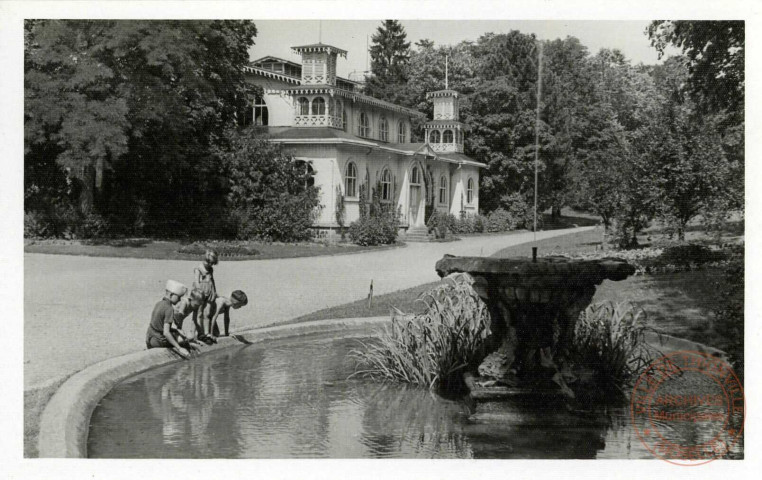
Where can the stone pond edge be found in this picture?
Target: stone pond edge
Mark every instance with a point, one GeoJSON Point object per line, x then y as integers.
{"type": "Point", "coordinates": [65, 422]}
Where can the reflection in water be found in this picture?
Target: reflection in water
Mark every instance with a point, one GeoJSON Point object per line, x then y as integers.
{"type": "Point", "coordinates": [286, 400]}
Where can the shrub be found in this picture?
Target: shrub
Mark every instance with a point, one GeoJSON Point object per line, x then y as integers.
{"type": "Point", "coordinates": [433, 348]}
{"type": "Point", "coordinates": [223, 248]}
{"type": "Point", "coordinates": [440, 223]}
{"type": "Point", "coordinates": [373, 231]}
{"type": "Point", "coordinates": [92, 225]}
{"type": "Point", "coordinates": [500, 221]}
{"type": "Point", "coordinates": [729, 313]}
{"type": "Point", "coordinates": [268, 189]}
{"type": "Point", "coordinates": [520, 211]}
{"type": "Point", "coordinates": [609, 339]}
{"type": "Point", "coordinates": [37, 225]}
{"type": "Point", "coordinates": [378, 222]}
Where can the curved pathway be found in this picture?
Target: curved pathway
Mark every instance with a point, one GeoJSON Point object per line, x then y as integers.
{"type": "Point", "coordinates": [81, 310]}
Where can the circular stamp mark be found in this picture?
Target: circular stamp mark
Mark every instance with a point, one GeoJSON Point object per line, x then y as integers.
{"type": "Point", "coordinates": [688, 408]}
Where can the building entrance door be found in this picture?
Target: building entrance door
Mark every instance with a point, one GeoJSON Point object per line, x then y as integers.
{"type": "Point", "coordinates": [415, 197]}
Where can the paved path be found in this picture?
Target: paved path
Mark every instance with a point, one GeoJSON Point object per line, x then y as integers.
{"type": "Point", "coordinates": [81, 310]}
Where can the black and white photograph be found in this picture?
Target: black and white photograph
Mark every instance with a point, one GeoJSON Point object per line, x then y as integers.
{"type": "Point", "coordinates": [300, 235]}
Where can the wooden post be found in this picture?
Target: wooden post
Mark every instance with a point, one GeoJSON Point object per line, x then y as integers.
{"type": "Point", "coordinates": [370, 295]}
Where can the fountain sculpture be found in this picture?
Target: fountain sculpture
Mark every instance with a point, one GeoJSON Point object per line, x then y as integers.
{"type": "Point", "coordinates": [534, 305]}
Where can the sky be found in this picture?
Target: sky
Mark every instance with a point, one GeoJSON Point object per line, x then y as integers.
{"type": "Point", "coordinates": [275, 37]}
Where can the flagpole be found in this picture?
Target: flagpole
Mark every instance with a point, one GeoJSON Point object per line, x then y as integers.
{"type": "Point", "coordinates": [537, 134]}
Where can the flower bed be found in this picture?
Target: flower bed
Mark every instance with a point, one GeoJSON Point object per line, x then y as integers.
{"type": "Point", "coordinates": [223, 249]}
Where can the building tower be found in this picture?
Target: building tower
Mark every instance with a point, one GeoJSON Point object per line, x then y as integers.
{"type": "Point", "coordinates": [445, 132]}
{"type": "Point", "coordinates": [319, 63]}
{"type": "Point", "coordinates": [315, 100]}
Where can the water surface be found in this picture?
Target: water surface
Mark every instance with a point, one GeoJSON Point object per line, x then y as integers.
{"type": "Point", "coordinates": [293, 400]}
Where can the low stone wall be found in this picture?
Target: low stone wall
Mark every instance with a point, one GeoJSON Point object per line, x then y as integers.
{"type": "Point", "coordinates": [65, 422]}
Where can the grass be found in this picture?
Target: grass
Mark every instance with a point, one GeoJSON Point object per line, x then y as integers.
{"type": "Point", "coordinates": [678, 304]}
{"type": "Point", "coordinates": [35, 401]}
{"type": "Point", "coordinates": [168, 249]}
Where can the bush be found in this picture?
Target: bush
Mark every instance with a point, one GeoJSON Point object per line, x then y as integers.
{"type": "Point", "coordinates": [268, 189]}
{"type": "Point", "coordinates": [431, 349]}
{"type": "Point", "coordinates": [223, 249]}
{"type": "Point", "coordinates": [37, 225]}
{"type": "Point", "coordinates": [288, 220]}
{"type": "Point", "coordinates": [373, 231]}
{"type": "Point", "coordinates": [92, 225]}
{"type": "Point", "coordinates": [500, 221]}
{"type": "Point", "coordinates": [609, 339]}
{"type": "Point", "coordinates": [729, 313]}
{"type": "Point", "coordinates": [520, 211]}
{"type": "Point", "coordinates": [378, 222]}
{"type": "Point", "coordinates": [440, 223]}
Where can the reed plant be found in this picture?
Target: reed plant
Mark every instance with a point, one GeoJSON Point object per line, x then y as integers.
{"type": "Point", "coordinates": [432, 348]}
{"type": "Point", "coordinates": [609, 340]}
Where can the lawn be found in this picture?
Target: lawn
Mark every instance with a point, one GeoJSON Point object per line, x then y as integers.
{"type": "Point", "coordinates": [168, 249]}
{"type": "Point", "coordinates": [678, 304]}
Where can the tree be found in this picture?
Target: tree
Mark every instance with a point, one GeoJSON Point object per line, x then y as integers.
{"type": "Point", "coordinates": [268, 191]}
{"type": "Point", "coordinates": [716, 59]}
{"type": "Point", "coordinates": [140, 103]}
{"type": "Point", "coordinates": [389, 53]}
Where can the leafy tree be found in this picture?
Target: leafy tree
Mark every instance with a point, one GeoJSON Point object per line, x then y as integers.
{"type": "Point", "coordinates": [268, 191]}
{"type": "Point", "coordinates": [389, 53]}
{"type": "Point", "coordinates": [141, 102]}
{"type": "Point", "coordinates": [716, 59]}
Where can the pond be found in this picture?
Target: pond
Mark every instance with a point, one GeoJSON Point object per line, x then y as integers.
{"type": "Point", "coordinates": [292, 399]}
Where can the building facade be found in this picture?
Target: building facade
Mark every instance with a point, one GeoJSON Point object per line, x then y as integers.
{"type": "Point", "coordinates": [350, 141]}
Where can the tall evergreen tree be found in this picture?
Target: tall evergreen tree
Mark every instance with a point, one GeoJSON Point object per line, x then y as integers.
{"type": "Point", "coordinates": [390, 54]}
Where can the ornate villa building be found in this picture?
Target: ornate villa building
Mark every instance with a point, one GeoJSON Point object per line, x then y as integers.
{"type": "Point", "coordinates": [350, 141]}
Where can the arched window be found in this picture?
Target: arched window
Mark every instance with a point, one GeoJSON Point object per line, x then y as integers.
{"type": "Point", "coordinates": [331, 107]}
{"type": "Point", "coordinates": [350, 180]}
{"type": "Point", "coordinates": [304, 106]}
{"type": "Point", "coordinates": [383, 130]}
{"type": "Point", "coordinates": [443, 189]}
{"type": "Point", "coordinates": [447, 136]}
{"type": "Point", "coordinates": [318, 106]}
{"type": "Point", "coordinates": [434, 136]}
{"type": "Point", "coordinates": [470, 191]}
{"type": "Point", "coordinates": [415, 176]}
{"type": "Point", "coordinates": [261, 116]}
{"type": "Point", "coordinates": [344, 119]}
{"type": "Point", "coordinates": [364, 127]}
{"type": "Point", "coordinates": [386, 185]}
{"type": "Point", "coordinates": [401, 132]}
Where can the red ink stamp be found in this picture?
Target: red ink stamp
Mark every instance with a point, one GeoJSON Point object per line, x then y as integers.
{"type": "Point", "coordinates": [688, 408]}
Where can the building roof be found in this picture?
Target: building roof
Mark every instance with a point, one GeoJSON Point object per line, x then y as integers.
{"type": "Point", "coordinates": [442, 93]}
{"type": "Point", "coordinates": [270, 74]}
{"type": "Point", "coordinates": [319, 47]}
{"type": "Point", "coordinates": [270, 58]}
{"type": "Point", "coordinates": [327, 135]}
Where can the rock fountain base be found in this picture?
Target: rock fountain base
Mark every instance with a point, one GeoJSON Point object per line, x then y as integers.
{"type": "Point", "coordinates": [534, 305]}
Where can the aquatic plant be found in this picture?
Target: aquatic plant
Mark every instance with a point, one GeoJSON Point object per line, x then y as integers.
{"type": "Point", "coordinates": [432, 348]}
{"type": "Point", "coordinates": [609, 339]}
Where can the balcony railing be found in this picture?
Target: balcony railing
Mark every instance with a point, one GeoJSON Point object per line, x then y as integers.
{"type": "Point", "coordinates": [446, 147]}
{"type": "Point", "coordinates": [318, 121]}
